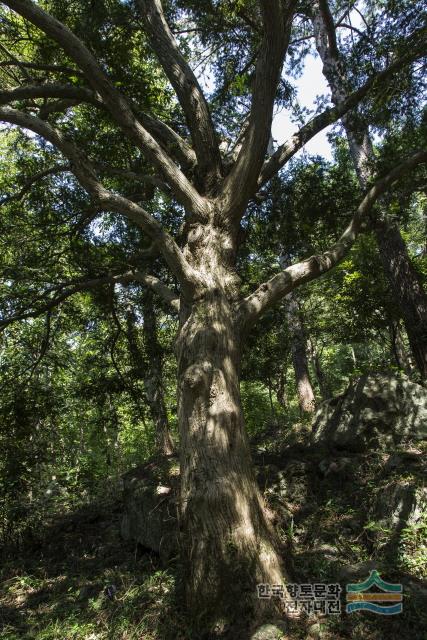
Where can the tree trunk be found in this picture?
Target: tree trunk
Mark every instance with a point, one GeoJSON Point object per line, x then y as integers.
{"type": "Point", "coordinates": [306, 398]}
{"type": "Point", "coordinates": [403, 279]}
{"type": "Point", "coordinates": [398, 348]}
{"type": "Point", "coordinates": [407, 289]}
{"type": "Point", "coordinates": [229, 544]}
{"type": "Point", "coordinates": [150, 368]}
{"type": "Point", "coordinates": [325, 391]}
{"type": "Point", "coordinates": [281, 387]}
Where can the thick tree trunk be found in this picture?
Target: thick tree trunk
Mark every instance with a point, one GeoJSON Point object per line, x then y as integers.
{"type": "Point", "coordinates": [407, 289]}
{"type": "Point", "coordinates": [149, 366]}
{"type": "Point", "coordinates": [229, 544]}
{"type": "Point", "coordinates": [306, 398]}
{"type": "Point", "coordinates": [403, 280]}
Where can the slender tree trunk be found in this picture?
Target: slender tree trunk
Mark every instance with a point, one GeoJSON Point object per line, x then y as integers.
{"type": "Point", "coordinates": [403, 279]}
{"type": "Point", "coordinates": [229, 544]}
{"type": "Point", "coordinates": [281, 387]}
{"type": "Point", "coordinates": [306, 398]}
{"type": "Point", "coordinates": [149, 366]}
{"type": "Point", "coordinates": [353, 357]}
{"type": "Point", "coordinates": [398, 348]}
{"type": "Point", "coordinates": [325, 391]}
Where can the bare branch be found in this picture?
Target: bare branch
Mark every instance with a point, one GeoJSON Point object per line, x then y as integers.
{"type": "Point", "coordinates": [115, 102]}
{"type": "Point", "coordinates": [35, 91]}
{"type": "Point", "coordinates": [65, 291]}
{"type": "Point", "coordinates": [16, 62]}
{"type": "Point", "coordinates": [170, 140]}
{"type": "Point", "coordinates": [131, 175]}
{"type": "Point", "coordinates": [85, 173]}
{"type": "Point", "coordinates": [252, 307]}
{"type": "Point", "coordinates": [187, 88]}
{"type": "Point", "coordinates": [349, 26]}
{"type": "Point", "coordinates": [328, 21]}
{"type": "Point", "coordinates": [158, 287]}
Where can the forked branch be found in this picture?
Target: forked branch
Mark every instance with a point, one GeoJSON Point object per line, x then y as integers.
{"type": "Point", "coordinates": [186, 86]}
{"type": "Point", "coordinates": [331, 115]}
{"type": "Point", "coordinates": [86, 175]}
{"type": "Point", "coordinates": [242, 180]}
{"type": "Point", "coordinates": [115, 102]}
{"type": "Point", "coordinates": [163, 133]}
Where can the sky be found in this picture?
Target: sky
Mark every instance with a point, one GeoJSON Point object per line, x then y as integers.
{"type": "Point", "coordinates": [311, 84]}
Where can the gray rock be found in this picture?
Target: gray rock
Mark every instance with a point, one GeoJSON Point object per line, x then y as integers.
{"type": "Point", "coordinates": [356, 572]}
{"type": "Point", "coordinates": [150, 507]}
{"type": "Point", "coordinates": [314, 631]}
{"type": "Point", "coordinates": [269, 632]}
{"type": "Point", "coordinates": [379, 410]}
{"type": "Point", "coordinates": [400, 504]}
{"type": "Point", "coordinates": [292, 482]}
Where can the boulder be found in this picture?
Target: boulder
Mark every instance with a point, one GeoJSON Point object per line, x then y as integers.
{"type": "Point", "coordinates": [378, 410]}
{"type": "Point", "coordinates": [400, 504]}
{"type": "Point", "coordinates": [150, 500]}
{"type": "Point", "coordinates": [274, 631]}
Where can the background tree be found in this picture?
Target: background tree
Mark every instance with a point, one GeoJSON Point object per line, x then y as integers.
{"type": "Point", "coordinates": [404, 281]}
{"type": "Point", "coordinates": [229, 543]}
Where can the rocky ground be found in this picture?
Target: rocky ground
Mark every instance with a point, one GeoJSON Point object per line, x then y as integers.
{"type": "Point", "coordinates": [347, 499]}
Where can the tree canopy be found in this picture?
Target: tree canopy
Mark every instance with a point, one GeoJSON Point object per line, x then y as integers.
{"type": "Point", "coordinates": [156, 240]}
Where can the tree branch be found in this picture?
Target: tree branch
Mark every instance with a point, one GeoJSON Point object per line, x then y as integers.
{"type": "Point", "coordinates": [85, 173]}
{"type": "Point", "coordinates": [66, 291]}
{"type": "Point", "coordinates": [163, 133]}
{"type": "Point", "coordinates": [289, 148]}
{"type": "Point", "coordinates": [267, 294]}
{"type": "Point", "coordinates": [329, 26]}
{"type": "Point", "coordinates": [54, 68]}
{"type": "Point", "coordinates": [59, 168]}
{"type": "Point", "coordinates": [51, 90]}
{"type": "Point", "coordinates": [241, 181]}
{"type": "Point", "coordinates": [187, 88]}
{"type": "Point", "coordinates": [115, 102]}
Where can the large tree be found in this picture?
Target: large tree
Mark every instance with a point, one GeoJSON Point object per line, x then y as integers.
{"type": "Point", "coordinates": [228, 544]}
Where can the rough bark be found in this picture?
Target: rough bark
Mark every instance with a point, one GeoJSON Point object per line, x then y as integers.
{"type": "Point", "coordinates": [306, 398]}
{"type": "Point", "coordinates": [229, 543]}
{"type": "Point", "coordinates": [407, 289]}
{"type": "Point", "coordinates": [402, 277]}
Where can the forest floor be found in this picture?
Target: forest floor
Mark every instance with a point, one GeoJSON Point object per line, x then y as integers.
{"type": "Point", "coordinates": [82, 582]}
{"type": "Point", "coordinates": [78, 580]}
